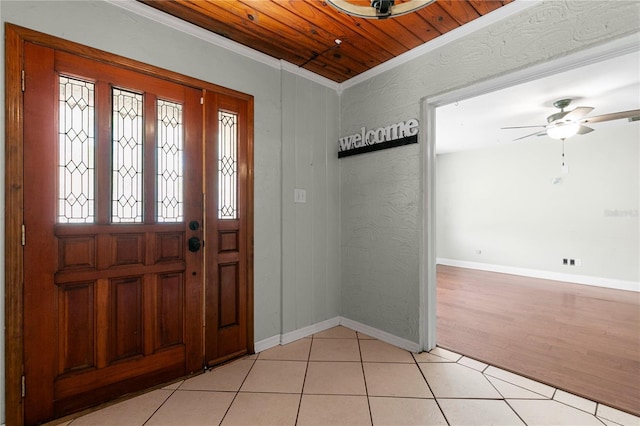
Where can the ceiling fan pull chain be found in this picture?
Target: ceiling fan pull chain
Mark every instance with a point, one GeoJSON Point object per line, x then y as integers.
{"type": "Point", "coordinates": [565, 168]}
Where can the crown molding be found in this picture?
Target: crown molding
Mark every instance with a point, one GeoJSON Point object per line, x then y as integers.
{"type": "Point", "coordinates": [194, 30]}
{"type": "Point", "coordinates": [483, 21]}
{"type": "Point", "coordinates": [309, 75]}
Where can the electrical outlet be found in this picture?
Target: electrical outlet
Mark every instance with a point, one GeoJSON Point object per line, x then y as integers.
{"type": "Point", "coordinates": [571, 262]}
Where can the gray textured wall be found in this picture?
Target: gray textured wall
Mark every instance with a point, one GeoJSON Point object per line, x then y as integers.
{"type": "Point", "coordinates": [380, 284]}
{"type": "Point", "coordinates": [310, 231]}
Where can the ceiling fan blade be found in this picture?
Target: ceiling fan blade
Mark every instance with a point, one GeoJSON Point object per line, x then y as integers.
{"type": "Point", "coordinates": [577, 113]}
{"type": "Point", "coordinates": [583, 130]}
{"type": "Point", "coordinates": [544, 132]}
{"type": "Point", "coordinates": [612, 116]}
{"type": "Point", "coordinates": [519, 127]}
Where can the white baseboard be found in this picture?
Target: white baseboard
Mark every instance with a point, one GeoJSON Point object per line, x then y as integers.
{"type": "Point", "coordinates": [381, 335]}
{"type": "Point", "coordinates": [292, 336]}
{"type": "Point", "coordinates": [300, 333]}
{"type": "Point", "coordinates": [547, 275]}
{"type": "Point", "coordinates": [267, 343]}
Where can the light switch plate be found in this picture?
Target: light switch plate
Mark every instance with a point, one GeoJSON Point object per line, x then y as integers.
{"type": "Point", "coordinates": [299, 196]}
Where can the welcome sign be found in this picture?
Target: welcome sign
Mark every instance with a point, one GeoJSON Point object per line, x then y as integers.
{"type": "Point", "coordinates": [402, 133]}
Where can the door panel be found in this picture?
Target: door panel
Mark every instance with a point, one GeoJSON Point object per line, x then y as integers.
{"type": "Point", "coordinates": [76, 327]}
{"type": "Point", "coordinates": [108, 279]}
{"type": "Point", "coordinates": [226, 284]}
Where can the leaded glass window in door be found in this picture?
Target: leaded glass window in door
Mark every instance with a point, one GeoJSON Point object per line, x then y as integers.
{"type": "Point", "coordinates": [77, 170]}
{"type": "Point", "coordinates": [170, 147]}
{"type": "Point", "coordinates": [227, 165]}
{"type": "Point", "coordinates": [76, 159]}
{"type": "Point", "coordinates": [127, 183]}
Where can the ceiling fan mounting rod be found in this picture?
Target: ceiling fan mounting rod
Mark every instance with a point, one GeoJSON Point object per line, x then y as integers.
{"type": "Point", "coordinates": [562, 103]}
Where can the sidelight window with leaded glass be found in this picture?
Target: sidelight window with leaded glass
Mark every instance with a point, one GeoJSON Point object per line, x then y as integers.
{"type": "Point", "coordinates": [227, 165]}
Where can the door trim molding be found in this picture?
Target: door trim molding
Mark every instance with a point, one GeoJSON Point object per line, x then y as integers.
{"type": "Point", "coordinates": [15, 37]}
{"type": "Point", "coordinates": [14, 178]}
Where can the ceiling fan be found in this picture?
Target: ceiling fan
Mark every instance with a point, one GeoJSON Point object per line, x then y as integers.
{"type": "Point", "coordinates": [565, 124]}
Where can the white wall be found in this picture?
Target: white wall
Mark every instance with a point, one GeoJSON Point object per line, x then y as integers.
{"type": "Point", "coordinates": [502, 201]}
{"type": "Point", "coordinates": [315, 280]}
{"type": "Point", "coordinates": [376, 277]}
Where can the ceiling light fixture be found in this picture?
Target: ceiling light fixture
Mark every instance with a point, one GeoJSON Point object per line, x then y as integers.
{"type": "Point", "coordinates": [562, 130]}
{"type": "Point", "coordinates": [379, 9]}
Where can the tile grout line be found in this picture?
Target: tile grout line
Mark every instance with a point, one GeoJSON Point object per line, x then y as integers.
{"type": "Point", "coordinates": [557, 402]}
{"type": "Point", "coordinates": [498, 390]}
{"type": "Point", "coordinates": [578, 408]}
{"type": "Point", "coordinates": [163, 402]}
{"type": "Point", "coordinates": [504, 399]}
{"type": "Point", "coordinates": [430, 390]}
{"type": "Point", "coordinates": [598, 418]}
{"type": "Point", "coordinates": [304, 380]}
{"type": "Point", "coordinates": [238, 391]}
{"type": "Point", "coordinates": [487, 376]}
{"type": "Point", "coordinates": [364, 378]}
{"type": "Point", "coordinates": [514, 410]}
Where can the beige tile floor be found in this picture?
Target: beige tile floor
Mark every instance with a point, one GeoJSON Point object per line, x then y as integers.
{"type": "Point", "coordinates": [340, 377]}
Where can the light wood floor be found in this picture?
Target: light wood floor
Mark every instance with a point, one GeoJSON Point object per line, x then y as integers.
{"type": "Point", "coordinates": [582, 339]}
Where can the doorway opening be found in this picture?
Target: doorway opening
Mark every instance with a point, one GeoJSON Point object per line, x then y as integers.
{"type": "Point", "coordinates": [617, 49]}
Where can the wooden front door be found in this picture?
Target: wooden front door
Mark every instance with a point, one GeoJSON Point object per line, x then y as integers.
{"type": "Point", "coordinates": [116, 291]}
{"type": "Point", "coordinates": [227, 288]}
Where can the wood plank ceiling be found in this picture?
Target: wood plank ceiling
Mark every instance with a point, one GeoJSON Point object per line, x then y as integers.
{"type": "Point", "coordinates": [304, 32]}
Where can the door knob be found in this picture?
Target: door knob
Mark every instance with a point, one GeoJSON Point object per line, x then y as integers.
{"type": "Point", "coordinates": [194, 244]}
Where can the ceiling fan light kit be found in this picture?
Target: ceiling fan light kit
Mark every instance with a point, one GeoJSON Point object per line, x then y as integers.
{"type": "Point", "coordinates": [379, 9]}
{"type": "Point", "coordinates": [565, 124]}
{"type": "Point", "coordinates": [563, 129]}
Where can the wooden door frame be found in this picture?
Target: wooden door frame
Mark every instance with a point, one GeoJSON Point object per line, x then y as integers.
{"type": "Point", "coordinates": [15, 37]}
